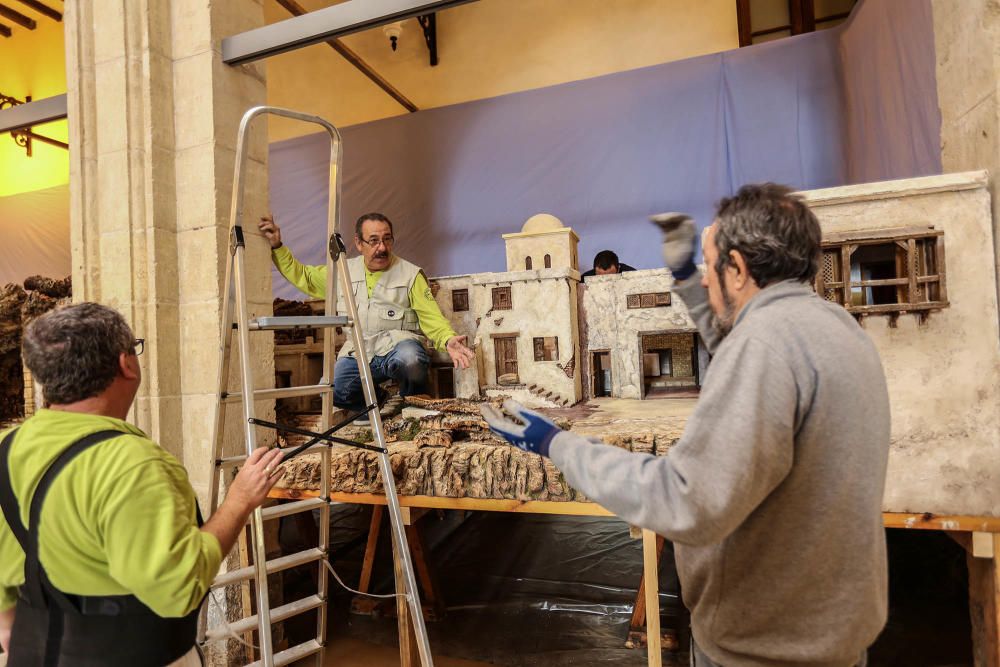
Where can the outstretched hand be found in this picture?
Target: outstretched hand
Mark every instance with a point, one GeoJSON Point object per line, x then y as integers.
{"type": "Point", "coordinates": [679, 243]}
{"type": "Point", "coordinates": [533, 435]}
{"type": "Point", "coordinates": [461, 356]}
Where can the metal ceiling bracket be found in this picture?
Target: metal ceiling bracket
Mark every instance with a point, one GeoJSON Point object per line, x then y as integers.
{"type": "Point", "coordinates": [429, 23]}
{"type": "Point", "coordinates": [322, 25]}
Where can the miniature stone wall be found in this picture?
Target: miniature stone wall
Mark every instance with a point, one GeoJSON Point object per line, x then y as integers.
{"type": "Point", "coordinates": [943, 372]}
{"type": "Point", "coordinates": [611, 325]}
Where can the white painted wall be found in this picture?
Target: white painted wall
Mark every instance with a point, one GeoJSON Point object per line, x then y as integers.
{"type": "Point", "coordinates": [944, 374]}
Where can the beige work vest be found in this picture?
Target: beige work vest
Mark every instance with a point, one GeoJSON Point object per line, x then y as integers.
{"type": "Point", "coordinates": [386, 318]}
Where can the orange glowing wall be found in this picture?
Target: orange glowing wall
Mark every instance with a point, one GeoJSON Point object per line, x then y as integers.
{"type": "Point", "coordinates": [33, 62]}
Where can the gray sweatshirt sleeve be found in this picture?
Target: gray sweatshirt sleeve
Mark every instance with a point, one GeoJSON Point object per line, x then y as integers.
{"type": "Point", "coordinates": [737, 447]}
{"type": "Point", "coordinates": [696, 300]}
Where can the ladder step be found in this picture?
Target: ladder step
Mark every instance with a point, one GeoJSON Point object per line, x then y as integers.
{"type": "Point", "coordinates": [274, 565]}
{"type": "Point", "coordinates": [281, 392]}
{"type": "Point", "coordinates": [290, 655]}
{"type": "Point", "coordinates": [277, 614]}
{"type": "Point", "coordinates": [232, 461]}
{"type": "Point", "coordinates": [299, 322]}
{"type": "Point", "coordinates": [284, 509]}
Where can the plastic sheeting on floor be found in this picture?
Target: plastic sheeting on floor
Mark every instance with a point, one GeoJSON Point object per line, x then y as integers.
{"type": "Point", "coordinates": [525, 589]}
{"type": "Point", "coordinates": [520, 589]}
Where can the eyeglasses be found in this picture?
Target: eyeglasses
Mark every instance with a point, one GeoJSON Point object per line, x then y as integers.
{"type": "Point", "coordinates": [374, 242]}
{"type": "Point", "coordinates": [138, 345]}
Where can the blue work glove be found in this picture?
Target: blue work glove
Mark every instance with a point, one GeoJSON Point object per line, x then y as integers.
{"type": "Point", "coordinates": [534, 435]}
{"type": "Point", "coordinates": [680, 239]}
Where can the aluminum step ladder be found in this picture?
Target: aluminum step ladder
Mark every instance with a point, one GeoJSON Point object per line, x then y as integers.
{"type": "Point", "coordinates": [237, 321]}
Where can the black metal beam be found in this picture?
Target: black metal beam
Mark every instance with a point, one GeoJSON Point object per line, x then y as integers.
{"type": "Point", "coordinates": [17, 17]}
{"type": "Point", "coordinates": [323, 25]}
{"type": "Point", "coordinates": [45, 140]}
{"type": "Point", "coordinates": [429, 23]}
{"type": "Point", "coordinates": [44, 10]}
{"type": "Point", "coordinates": [33, 113]}
{"type": "Point", "coordinates": [295, 9]}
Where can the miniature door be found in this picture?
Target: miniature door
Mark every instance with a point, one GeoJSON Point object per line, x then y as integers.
{"type": "Point", "coordinates": [506, 359]}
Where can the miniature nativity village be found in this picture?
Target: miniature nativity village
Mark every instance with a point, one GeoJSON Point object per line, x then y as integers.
{"type": "Point", "coordinates": [246, 199]}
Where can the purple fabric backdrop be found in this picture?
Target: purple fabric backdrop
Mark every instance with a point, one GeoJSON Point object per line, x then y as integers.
{"type": "Point", "coordinates": [893, 118]}
{"type": "Point", "coordinates": [603, 153]}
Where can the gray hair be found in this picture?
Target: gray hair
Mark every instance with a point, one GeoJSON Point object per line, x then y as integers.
{"type": "Point", "coordinates": [73, 351]}
{"type": "Point", "coordinates": [777, 234]}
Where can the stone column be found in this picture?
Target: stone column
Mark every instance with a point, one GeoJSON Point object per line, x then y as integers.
{"type": "Point", "coordinates": [153, 116]}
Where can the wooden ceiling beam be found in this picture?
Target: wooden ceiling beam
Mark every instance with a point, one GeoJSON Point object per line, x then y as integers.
{"type": "Point", "coordinates": [802, 15]}
{"type": "Point", "coordinates": [295, 9]}
{"type": "Point", "coordinates": [5, 30]}
{"type": "Point", "coordinates": [743, 22]}
{"type": "Point", "coordinates": [17, 17]}
{"type": "Point", "coordinates": [44, 10]}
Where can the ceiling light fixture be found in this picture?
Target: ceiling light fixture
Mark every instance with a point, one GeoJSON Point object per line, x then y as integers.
{"type": "Point", "coordinates": [393, 31]}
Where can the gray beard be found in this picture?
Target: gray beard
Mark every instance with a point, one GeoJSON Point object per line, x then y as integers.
{"type": "Point", "coordinates": [723, 324]}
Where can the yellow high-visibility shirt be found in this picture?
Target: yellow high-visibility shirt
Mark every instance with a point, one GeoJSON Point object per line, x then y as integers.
{"type": "Point", "coordinates": [311, 280]}
{"type": "Point", "coordinates": [119, 519]}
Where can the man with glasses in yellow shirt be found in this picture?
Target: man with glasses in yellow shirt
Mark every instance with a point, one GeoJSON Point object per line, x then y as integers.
{"type": "Point", "coordinates": [103, 558]}
{"type": "Point", "coordinates": [396, 311]}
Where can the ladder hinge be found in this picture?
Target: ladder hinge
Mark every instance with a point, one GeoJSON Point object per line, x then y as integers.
{"type": "Point", "coordinates": [237, 240]}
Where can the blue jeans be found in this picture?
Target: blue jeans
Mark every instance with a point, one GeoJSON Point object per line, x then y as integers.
{"type": "Point", "coordinates": [407, 364]}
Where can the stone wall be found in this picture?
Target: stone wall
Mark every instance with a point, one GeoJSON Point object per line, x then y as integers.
{"type": "Point", "coordinates": [153, 117]}
{"type": "Point", "coordinates": [943, 372]}
{"type": "Point", "coordinates": [611, 325]}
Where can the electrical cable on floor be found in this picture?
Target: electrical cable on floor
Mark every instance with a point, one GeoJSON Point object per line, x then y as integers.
{"type": "Point", "coordinates": [370, 595]}
{"type": "Point", "coordinates": [232, 633]}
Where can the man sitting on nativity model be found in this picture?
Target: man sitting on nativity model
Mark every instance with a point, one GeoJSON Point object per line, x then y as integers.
{"type": "Point", "coordinates": [396, 311]}
{"type": "Point", "coordinates": [773, 495]}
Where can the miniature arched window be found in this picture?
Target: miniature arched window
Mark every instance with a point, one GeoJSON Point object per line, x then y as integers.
{"type": "Point", "coordinates": [548, 261]}
{"type": "Point", "coordinates": [527, 263]}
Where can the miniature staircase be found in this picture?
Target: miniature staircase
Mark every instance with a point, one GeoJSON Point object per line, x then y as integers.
{"type": "Point", "coordinates": [549, 395]}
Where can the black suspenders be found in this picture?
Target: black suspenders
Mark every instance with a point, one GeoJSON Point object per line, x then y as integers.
{"type": "Point", "coordinates": [38, 591]}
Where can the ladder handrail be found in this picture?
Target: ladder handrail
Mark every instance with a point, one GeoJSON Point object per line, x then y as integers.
{"type": "Point", "coordinates": [235, 298]}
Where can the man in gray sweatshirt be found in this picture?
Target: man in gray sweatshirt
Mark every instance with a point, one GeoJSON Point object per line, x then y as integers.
{"type": "Point", "coordinates": [773, 494]}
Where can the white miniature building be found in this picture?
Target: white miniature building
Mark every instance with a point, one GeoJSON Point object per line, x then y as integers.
{"type": "Point", "coordinates": [543, 243]}
{"type": "Point", "coordinates": [524, 321]}
{"type": "Point", "coordinates": [639, 340]}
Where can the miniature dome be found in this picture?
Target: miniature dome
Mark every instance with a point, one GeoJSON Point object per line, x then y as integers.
{"type": "Point", "coordinates": [541, 222]}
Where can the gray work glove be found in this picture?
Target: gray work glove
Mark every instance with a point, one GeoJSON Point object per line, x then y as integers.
{"type": "Point", "coordinates": [680, 240]}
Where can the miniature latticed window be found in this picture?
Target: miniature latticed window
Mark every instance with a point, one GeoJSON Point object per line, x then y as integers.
{"type": "Point", "coordinates": [501, 298]}
{"type": "Point", "coordinates": [886, 271]}
{"type": "Point", "coordinates": [648, 300]}
{"type": "Point", "coordinates": [548, 261]}
{"type": "Point", "coordinates": [546, 349]}
{"type": "Point", "coordinates": [527, 263]}
{"type": "Point", "coordinates": [459, 300]}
